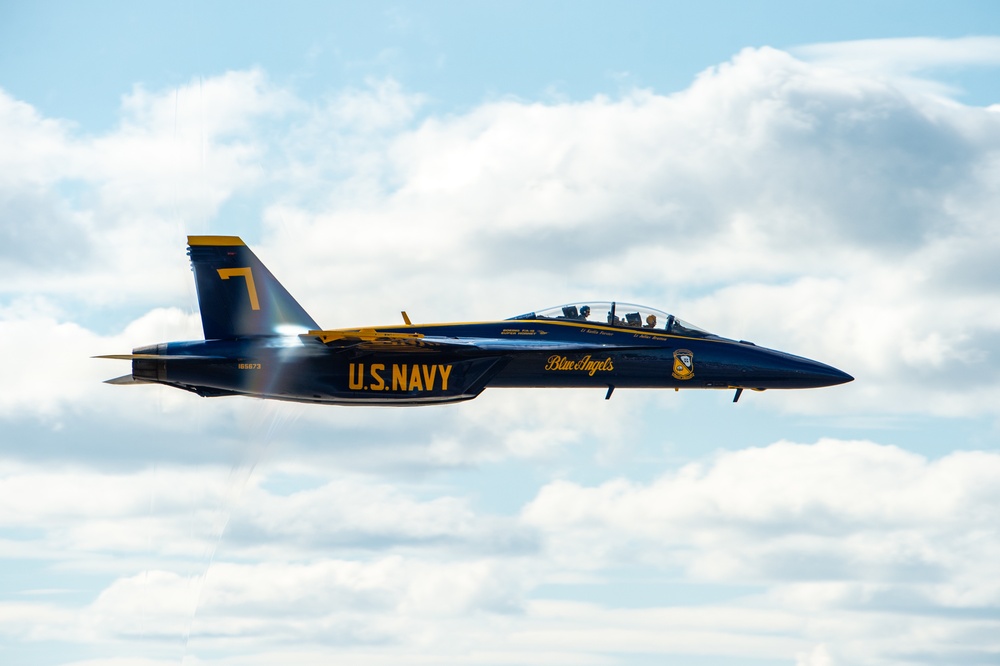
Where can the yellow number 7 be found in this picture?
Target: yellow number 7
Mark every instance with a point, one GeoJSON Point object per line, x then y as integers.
{"type": "Point", "coordinates": [226, 273]}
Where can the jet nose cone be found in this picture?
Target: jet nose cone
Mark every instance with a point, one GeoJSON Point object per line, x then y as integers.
{"type": "Point", "coordinates": [813, 374]}
{"type": "Point", "coordinates": [776, 369]}
{"type": "Point", "coordinates": [836, 376]}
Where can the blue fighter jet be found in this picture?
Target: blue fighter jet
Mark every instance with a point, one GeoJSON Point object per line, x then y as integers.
{"type": "Point", "coordinates": [260, 342]}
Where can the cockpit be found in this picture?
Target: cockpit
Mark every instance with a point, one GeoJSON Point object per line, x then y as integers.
{"type": "Point", "coordinates": [625, 315]}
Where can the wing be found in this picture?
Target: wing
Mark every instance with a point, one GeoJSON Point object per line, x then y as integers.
{"type": "Point", "coordinates": [370, 339]}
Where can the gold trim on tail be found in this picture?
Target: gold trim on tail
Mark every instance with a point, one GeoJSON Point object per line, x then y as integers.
{"type": "Point", "coordinates": [216, 240]}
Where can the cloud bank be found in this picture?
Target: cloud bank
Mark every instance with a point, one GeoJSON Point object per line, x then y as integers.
{"type": "Point", "coordinates": [841, 547]}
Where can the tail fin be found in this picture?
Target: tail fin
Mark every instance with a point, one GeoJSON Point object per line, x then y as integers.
{"type": "Point", "coordinates": [237, 295]}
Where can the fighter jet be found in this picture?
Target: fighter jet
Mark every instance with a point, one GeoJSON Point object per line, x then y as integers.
{"type": "Point", "coordinates": [260, 342]}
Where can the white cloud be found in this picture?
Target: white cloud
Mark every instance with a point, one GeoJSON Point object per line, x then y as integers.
{"type": "Point", "coordinates": [348, 561]}
{"type": "Point", "coordinates": [901, 58]}
{"type": "Point", "coordinates": [53, 362]}
{"type": "Point", "coordinates": [36, 147]}
{"type": "Point", "coordinates": [850, 546]}
{"type": "Point", "coordinates": [85, 216]}
{"type": "Point", "coordinates": [182, 510]}
{"type": "Point", "coordinates": [839, 511]}
{"type": "Point", "coordinates": [872, 541]}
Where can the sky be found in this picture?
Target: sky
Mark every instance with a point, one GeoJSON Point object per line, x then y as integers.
{"type": "Point", "coordinates": [821, 180]}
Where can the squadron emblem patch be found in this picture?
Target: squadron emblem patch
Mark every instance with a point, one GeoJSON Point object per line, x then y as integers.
{"type": "Point", "coordinates": [683, 364]}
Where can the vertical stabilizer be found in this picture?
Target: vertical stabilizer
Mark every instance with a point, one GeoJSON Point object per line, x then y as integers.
{"type": "Point", "coordinates": [237, 295]}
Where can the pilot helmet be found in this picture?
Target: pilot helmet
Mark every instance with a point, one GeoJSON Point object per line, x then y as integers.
{"type": "Point", "coordinates": [585, 310]}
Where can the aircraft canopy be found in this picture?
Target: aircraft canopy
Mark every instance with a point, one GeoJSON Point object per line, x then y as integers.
{"type": "Point", "coordinates": [627, 315]}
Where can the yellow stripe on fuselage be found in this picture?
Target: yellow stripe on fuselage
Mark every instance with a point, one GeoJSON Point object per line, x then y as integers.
{"type": "Point", "coordinates": [557, 322]}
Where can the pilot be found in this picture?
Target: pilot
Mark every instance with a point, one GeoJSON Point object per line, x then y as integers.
{"type": "Point", "coordinates": [585, 312]}
{"type": "Point", "coordinates": [650, 321]}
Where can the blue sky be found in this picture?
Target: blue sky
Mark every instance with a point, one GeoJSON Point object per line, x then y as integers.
{"type": "Point", "coordinates": [818, 180]}
{"type": "Point", "coordinates": [75, 61]}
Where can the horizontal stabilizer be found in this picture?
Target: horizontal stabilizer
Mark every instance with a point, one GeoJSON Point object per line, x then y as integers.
{"type": "Point", "coordinates": [160, 357]}
{"type": "Point", "coordinates": [126, 380]}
